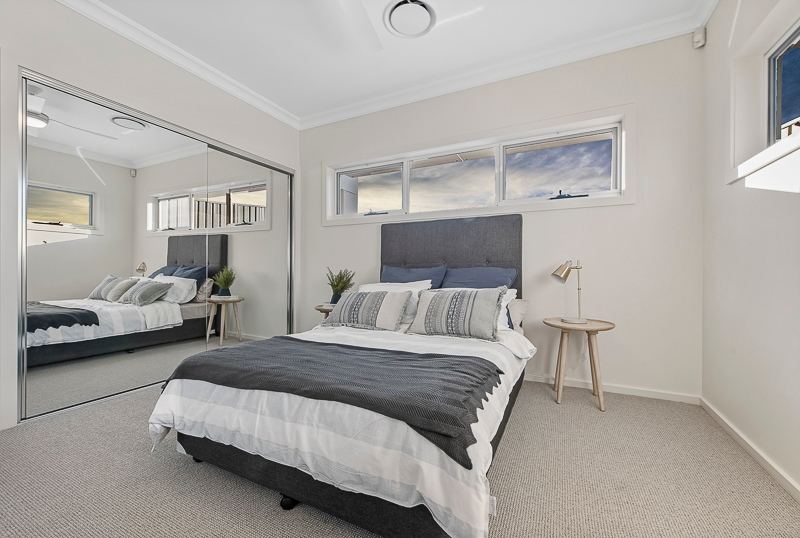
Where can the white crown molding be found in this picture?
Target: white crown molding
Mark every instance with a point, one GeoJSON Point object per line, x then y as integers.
{"type": "Point", "coordinates": [169, 156]}
{"type": "Point", "coordinates": [632, 37]}
{"type": "Point", "coordinates": [650, 32]}
{"type": "Point", "coordinates": [132, 30]}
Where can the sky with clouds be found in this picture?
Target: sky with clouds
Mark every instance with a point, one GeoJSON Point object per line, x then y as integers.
{"type": "Point", "coordinates": [48, 205]}
{"type": "Point", "coordinates": [580, 168]}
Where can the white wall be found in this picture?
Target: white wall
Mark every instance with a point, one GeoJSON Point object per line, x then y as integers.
{"type": "Point", "coordinates": [751, 351]}
{"type": "Point", "coordinates": [70, 269]}
{"type": "Point", "coordinates": [643, 262]}
{"type": "Point", "coordinates": [68, 47]}
{"type": "Point", "coordinates": [258, 257]}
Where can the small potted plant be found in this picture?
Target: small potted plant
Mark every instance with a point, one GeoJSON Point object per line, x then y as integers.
{"type": "Point", "coordinates": [224, 279]}
{"type": "Point", "coordinates": [340, 282]}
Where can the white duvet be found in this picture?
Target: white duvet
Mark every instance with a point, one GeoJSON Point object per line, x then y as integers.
{"type": "Point", "coordinates": [352, 448]}
{"type": "Point", "coordinates": [114, 318]}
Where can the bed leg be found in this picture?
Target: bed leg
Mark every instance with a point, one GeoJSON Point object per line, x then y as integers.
{"type": "Point", "coordinates": [287, 503]}
{"type": "Point", "coordinates": [197, 460]}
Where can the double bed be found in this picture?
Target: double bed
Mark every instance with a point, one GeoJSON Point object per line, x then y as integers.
{"type": "Point", "coordinates": [63, 330]}
{"type": "Point", "coordinates": [398, 462]}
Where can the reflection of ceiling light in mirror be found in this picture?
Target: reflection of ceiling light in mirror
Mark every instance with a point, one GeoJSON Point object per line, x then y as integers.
{"type": "Point", "coordinates": [409, 18]}
{"type": "Point", "coordinates": [37, 120]}
{"type": "Point", "coordinates": [128, 123]}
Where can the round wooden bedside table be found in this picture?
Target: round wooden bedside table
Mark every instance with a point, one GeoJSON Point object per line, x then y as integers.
{"type": "Point", "coordinates": [221, 302]}
{"type": "Point", "coordinates": [591, 328]}
{"type": "Point", "coordinates": [325, 309]}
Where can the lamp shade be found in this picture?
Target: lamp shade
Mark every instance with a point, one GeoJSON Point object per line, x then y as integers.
{"type": "Point", "coordinates": [142, 268]}
{"type": "Point", "coordinates": [562, 271]}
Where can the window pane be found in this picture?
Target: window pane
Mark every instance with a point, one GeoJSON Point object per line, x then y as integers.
{"type": "Point", "coordinates": [788, 65]}
{"type": "Point", "coordinates": [173, 213]}
{"type": "Point", "coordinates": [370, 190]}
{"type": "Point", "coordinates": [576, 166]}
{"type": "Point", "coordinates": [52, 205]}
{"type": "Point", "coordinates": [456, 181]}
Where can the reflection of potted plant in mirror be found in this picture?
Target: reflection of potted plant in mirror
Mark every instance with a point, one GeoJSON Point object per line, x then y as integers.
{"type": "Point", "coordinates": [224, 279]}
{"type": "Point", "coordinates": [340, 282]}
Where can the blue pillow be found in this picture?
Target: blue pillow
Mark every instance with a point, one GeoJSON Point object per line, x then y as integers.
{"type": "Point", "coordinates": [479, 277]}
{"type": "Point", "coordinates": [197, 272]}
{"type": "Point", "coordinates": [167, 270]}
{"type": "Point", "coordinates": [414, 274]}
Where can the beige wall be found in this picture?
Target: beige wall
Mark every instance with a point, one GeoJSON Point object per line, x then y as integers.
{"type": "Point", "coordinates": [643, 262]}
{"type": "Point", "coordinates": [69, 266]}
{"type": "Point", "coordinates": [68, 47]}
{"type": "Point", "coordinates": [751, 351]}
{"type": "Point", "coordinates": [258, 257]}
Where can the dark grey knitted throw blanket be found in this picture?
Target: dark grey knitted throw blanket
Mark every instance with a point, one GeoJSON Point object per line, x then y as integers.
{"type": "Point", "coordinates": [437, 395]}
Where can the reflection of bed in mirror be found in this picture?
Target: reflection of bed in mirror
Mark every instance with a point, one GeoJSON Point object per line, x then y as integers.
{"type": "Point", "coordinates": [100, 327]}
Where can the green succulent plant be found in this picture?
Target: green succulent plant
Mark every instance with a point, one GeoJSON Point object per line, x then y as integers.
{"type": "Point", "coordinates": [340, 281]}
{"type": "Point", "coordinates": [225, 277]}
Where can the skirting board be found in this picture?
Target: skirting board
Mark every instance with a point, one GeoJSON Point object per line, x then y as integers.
{"type": "Point", "coordinates": [792, 487]}
{"type": "Point", "coordinates": [622, 389]}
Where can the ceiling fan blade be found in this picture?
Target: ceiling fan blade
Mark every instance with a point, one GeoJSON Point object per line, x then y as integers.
{"type": "Point", "coordinates": [109, 137]}
{"type": "Point", "coordinates": [345, 24]}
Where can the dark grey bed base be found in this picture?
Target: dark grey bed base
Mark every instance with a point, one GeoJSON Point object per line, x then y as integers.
{"type": "Point", "coordinates": [181, 250]}
{"type": "Point", "coordinates": [371, 513]}
{"type": "Point", "coordinates": [41, 355]}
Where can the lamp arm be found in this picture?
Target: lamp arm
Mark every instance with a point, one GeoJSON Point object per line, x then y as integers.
{"type": "Point", "coordinates": [578, 269]}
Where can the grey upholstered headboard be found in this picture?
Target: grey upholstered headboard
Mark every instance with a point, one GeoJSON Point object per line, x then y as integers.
{"type": "Point", "coordinates": [472, 242]}
{"type": "Point", "coordinates": [191, 250]}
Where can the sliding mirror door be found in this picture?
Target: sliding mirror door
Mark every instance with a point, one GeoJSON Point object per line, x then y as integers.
{"type": "Point", "coordinates": [116, 267]}
{"type": "Point", "coordinates": [248, 202]}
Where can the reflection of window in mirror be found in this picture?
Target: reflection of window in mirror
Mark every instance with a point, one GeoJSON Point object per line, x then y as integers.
{"type": "Point", "coordinates": [55, 206]}
{"type": "Point", "coordinates": [231, 205]}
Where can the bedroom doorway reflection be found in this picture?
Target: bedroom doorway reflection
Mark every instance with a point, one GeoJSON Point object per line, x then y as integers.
{"type": "Point", "coordinates": [127, 223]}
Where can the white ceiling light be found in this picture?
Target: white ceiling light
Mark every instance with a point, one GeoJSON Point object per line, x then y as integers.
{"type": "Point", "coordinates": [128, 123]}
{"type": "Point", "coordinates": [409, 18]}
{"type": "Point", "coordinates": [37, 119]}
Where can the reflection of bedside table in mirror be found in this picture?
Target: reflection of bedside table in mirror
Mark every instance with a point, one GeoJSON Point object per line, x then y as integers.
{"type": "Point", "coordinates": [325, 309]}
{"type": "Point", "coordinates": [221, 302]}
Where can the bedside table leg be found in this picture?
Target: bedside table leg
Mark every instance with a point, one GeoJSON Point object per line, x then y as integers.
{"type": "Point", "coordinates": [594, 356]}
{"type": "Point", "coordinates": [211, 315]}
{"type": "Point", "coordinates": [222, 309]}
{"type": "Point", "coordinates": [561, 366]}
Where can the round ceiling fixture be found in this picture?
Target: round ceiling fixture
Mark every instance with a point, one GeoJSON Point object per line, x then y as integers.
{"type": "Point", "coordinates": [128, 123]}
{"type": "Point", "coordinates": [409, 18]}
{"type": "Point", "coordinates": [37, 119]}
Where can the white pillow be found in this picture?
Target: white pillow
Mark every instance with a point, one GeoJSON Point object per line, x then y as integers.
{"type": "Point", "coordinates": [182, 291]}
{"type": "Point", "coordinates": [518, 308]}
{"type": "Point", "coordinates": [413, 287]}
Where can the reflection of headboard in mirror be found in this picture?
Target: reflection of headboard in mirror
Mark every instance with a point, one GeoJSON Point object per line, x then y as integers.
{"type": "Point", "coordinates": [479, 241]}
{"type": "Point", "coordinates": [191, 250]}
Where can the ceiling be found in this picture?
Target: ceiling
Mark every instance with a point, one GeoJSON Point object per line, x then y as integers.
{"type": "Point", "coordinates": [311, 62]}
{"type": "Point", "coordinates": [77, 125]}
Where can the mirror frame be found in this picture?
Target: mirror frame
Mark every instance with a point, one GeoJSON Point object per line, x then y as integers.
{"type": "Point", "coordinates": [26, 75]}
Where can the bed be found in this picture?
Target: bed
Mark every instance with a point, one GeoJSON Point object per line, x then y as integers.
{"type": "Point", "coordinates": [365, 467]}
{"type": "Point", "coordinates": [118, 327]}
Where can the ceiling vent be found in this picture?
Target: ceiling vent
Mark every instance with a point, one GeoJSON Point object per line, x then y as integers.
{"type": "Point", "coordinates": [409, 18]}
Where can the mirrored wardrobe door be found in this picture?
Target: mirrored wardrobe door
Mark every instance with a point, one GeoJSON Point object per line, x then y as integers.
{"type": "Point", "coordinates": [248, 204]}
{"type": "Point", "coordinates": [113, 268]}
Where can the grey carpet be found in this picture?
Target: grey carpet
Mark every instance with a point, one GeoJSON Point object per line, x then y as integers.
{"type": "Point", "coordinates": [55, 386]}
{"type": "Point", "coordinates": [643, 468]}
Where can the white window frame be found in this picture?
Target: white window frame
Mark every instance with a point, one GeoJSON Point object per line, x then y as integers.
{"type": "Point", "coordinates": [621, 119]}
{"type": "Point", "coordinates": [202, 192]}
{"type": "Point", "coordinates": [94, 228]}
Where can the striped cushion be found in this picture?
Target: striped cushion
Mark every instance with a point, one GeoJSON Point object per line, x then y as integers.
{"type": "Point", "coordinates": [369, 310]}
{"type": "Point", "coordinates": [105, 286]}
{"type": "Point", "coordinates": [464, 312]}
{"type": "Point", "coordinates": [145, 292]}
{"type": "Point", "coordinates": [119, 288]}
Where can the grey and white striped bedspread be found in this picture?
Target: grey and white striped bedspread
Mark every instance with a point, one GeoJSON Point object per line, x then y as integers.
{"type": "Point", "coordinates": [115, 319]}
{"type": "Point", "coordinates": [352, 448]}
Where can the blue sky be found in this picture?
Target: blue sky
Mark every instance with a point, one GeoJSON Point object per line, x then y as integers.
{"type": "Point", "coordinates": [790, 88]}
